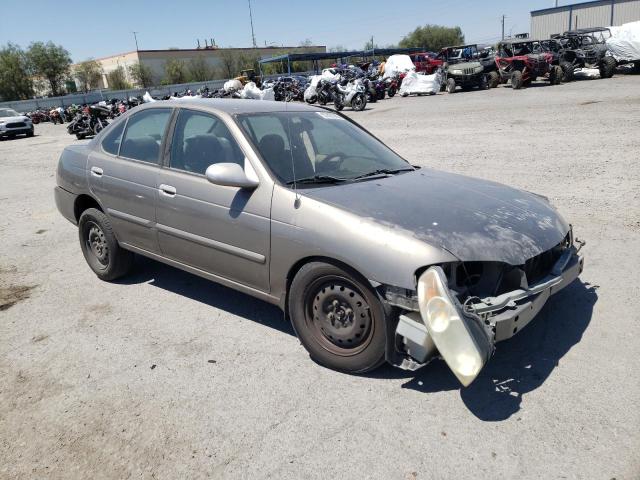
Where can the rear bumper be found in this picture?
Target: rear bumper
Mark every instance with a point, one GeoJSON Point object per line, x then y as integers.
{"type": "Point", "coordinates": [499, 317]}
{"type": "Point", "coordinates": [65, 201]}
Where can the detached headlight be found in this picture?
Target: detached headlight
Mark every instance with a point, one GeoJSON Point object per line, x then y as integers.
{"type": "Point", "coordinates": [461, 340]}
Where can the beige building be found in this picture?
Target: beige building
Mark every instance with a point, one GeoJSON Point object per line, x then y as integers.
{"type": "Point", "coordinates": [603, 13]}
{"type": "Point", "coordinates": [214, 58]}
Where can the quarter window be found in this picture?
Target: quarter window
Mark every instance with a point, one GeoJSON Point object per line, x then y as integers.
{"type": "Point", "coordinates": [200, 140]}
{"type": "Point", "coordinates": [111, 142]}
{"type": "Point", "coordinates": [144, 134]}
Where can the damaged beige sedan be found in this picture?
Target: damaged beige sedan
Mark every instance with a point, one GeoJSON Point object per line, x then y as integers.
{"type": "Point", "coordinates": [371, 258]}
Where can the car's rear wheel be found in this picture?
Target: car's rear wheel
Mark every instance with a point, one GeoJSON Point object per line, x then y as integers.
{"type": "Point", "coordinates": [338, 318]}
{"type": "Point", "coordinates": [516, 80]}
{"type": "Point", "coordinates": [100, 248]}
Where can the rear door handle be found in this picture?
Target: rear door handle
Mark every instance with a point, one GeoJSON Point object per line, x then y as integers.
{"type": "Point", "coordinates": [167, 190]}
{"type": "Point", "coordinates": [96, 171]}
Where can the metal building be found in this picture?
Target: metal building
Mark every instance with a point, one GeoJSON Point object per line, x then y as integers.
{"type": "Point", "coordinates": [602, 13]}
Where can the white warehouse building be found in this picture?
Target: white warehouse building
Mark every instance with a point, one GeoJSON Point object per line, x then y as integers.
{"type": "Point", "coordinates": [602, 13]}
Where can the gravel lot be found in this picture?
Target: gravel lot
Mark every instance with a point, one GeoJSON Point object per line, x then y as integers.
{"type": "Point", "coordinates": [166, 375]}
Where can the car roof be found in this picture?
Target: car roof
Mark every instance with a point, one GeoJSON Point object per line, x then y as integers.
{"type": "Point", "coordinates": [462, 46]}
{"type": "Point", "coordinates": [583, 31]}
{"type": "Point", "coordinates": [233, 106]}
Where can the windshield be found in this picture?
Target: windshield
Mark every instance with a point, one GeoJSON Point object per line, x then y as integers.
{"type": "Point", "coordinates": [7, 112]}
{"type": "Point", "coordinates": [318, 144]}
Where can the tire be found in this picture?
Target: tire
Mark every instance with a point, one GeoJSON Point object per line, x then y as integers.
{"type": "Point", "coordinates": [338, 318]}
{"type": "Point", "coordinates": [372, 97]}
{"type": "Point", "coordinates": [338, 102]}
{"type": "Point", "coordinates": [30, 133]}
{"type": "Point", "coordinates": [567, 72]}
{"type": "Point", "coordinates": [312, 100]}
{"type": "Point", "coordinates": [358, 102]}
{"type": "Point", "coordinates": [484, 83]}
{"type": "Point", "coordinates": [555, 75]}
{"type": "Point", "coordinates": [392, 92]}
{"type": "Point", "coordinates": [607, 67]}
{"type": "Point", "coordinates": [100, 247]}
{"type": "Point", "coordinates": [494, 79]}
{"type": "Point", "coordinates": [381, 94]}
{"type": "Point", "coordinates": [322, 100]}
{"type": "Point", "coordinates": [516, 80]}
{"type": "Point", "coordinates": [80, 136]}
{"type": "Point", "coordinates": [451, 85]}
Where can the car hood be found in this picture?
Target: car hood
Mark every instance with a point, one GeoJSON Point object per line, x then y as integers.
{"type": "Point", "coordinates": [463, 65]}
{"type": "Point", "coordinates": [19, 118]}
{"type": "Point", "coordinates": [473, 219]}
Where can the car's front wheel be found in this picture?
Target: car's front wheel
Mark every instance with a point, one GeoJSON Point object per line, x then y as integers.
{"type": "Point", "coordinates": [100, 248]}
{"type": "Point", "coordinates": [338, 318]}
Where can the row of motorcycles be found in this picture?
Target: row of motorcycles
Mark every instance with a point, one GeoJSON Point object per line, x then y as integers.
{"type": "Point", "coordinates": [89, 120]}
{"type": "Point", "coordinates": [351, 86]}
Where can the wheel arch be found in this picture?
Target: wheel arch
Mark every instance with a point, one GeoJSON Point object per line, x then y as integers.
{"type": "Point", "coordinates": [295, 268]}
{"type": "Point", "coordinates": [84, 202]}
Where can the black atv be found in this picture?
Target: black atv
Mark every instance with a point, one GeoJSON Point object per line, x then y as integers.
{"type": "Point", "coordinates": [585, 48]}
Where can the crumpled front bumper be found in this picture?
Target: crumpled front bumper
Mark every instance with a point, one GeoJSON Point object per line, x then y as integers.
{"type": "Point", "coordinates": [499, 317]}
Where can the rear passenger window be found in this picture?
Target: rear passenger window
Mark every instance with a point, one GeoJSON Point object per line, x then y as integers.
{"type": "Point", "coordinates": [144, 134]}
{"type": "Point", "coordinates": [111, 141]}
{"type": "Point", "coordinates": [200, 140]}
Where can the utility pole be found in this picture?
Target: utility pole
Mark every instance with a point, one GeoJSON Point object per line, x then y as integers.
{"type": "Point", "coordinates": [253, 36]}
{"type": "Point", "coordinates": [503, 17]}
{"type": "Point", "coordinates": [136, 39]}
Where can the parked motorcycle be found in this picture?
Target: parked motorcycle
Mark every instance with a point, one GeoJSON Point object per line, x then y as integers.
{"type": "Point", "coordinates": [89, 122]}
{"type": "Point", "coordinates": [352, 95]}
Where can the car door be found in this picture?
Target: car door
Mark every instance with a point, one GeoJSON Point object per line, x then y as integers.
{"type": "Point", "coordinates": [123, 173]}
{"type": "Point", "coordinates": [219, 229]}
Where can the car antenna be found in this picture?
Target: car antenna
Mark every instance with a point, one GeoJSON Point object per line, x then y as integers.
{"type": "Point", "coordinates": [296, 203]}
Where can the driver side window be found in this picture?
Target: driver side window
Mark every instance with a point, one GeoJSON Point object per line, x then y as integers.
{"type": "Point", "coordinates": [200, 140]}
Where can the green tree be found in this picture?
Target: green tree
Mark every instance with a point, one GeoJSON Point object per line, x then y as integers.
{"type": "Point", "coordinates": [228, 63]}
{"type": "Point", "coordinates": [175, 71]}
{"type": "Point", "coordinates": [117, 79]}
{"type": "Point", "coordinates": [51, 62]}
{"type": "Point", "coordinates": [199, 70]}
{"type": "Point", "coordinates": [89, 74]}
{"type": "Point", "coordinates": [433, 37]}
{"type": "Point", "coordinates": [15, 74]}
{"type": "Point", "coordinates": [141, 74]}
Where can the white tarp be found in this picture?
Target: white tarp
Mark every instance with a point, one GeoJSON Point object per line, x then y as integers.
{"type": "Point", "coordinates": [311, 91]}
{"type": "Point", "coordinates": [414, 84]}
{"type": "Point", "coordinates": [252, 92]}
{"type": "Point", "coordinates": [147, 98]}
{"type": "Point", "coordinates": [232, 86]}
{"type": "Point", "coordinates": [398, 64]}
{"type": "Point", "coordinates": [587, 73]}
{"type": "Point", "coordinates": [624, 44]}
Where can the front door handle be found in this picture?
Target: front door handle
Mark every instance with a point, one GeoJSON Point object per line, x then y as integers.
{"type": "Point", "coordinates": [96, 171]}
{"type": "Point", "coordinates": [167, 190]}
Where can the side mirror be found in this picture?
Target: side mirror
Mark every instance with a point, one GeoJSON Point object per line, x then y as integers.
{"type": "Point", "coordinates": [229, 175]}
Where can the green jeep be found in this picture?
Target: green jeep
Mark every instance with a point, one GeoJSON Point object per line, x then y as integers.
{"type": "Point", "coordinates": [463, 68]}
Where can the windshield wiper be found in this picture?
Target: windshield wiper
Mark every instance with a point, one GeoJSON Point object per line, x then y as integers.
{"type": "Point", "coordinates": [317, 179]}
{"type": "Point", "coordinates": [382, 171]}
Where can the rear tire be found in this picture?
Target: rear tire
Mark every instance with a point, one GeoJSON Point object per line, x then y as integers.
{"type": "Point", "coordinates": [567, 72]}
{"type": "Point", "coordinates": [391, 92]}
{"type": "Point", "coordinates": [338, 318]}
{"type": "Point", "coordinates": [494, 79]}
{"type": "Point", "coordinates": [516, 80]}
{"type": "Point", "coordinates": [100, 248]}
{"type": "Point", "coordinates": [607, 67]}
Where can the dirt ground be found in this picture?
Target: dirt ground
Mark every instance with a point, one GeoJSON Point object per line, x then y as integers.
{"type": "Point", "coordinates": [165, 375]}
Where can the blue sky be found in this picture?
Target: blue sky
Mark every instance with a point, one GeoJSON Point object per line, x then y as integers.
{"type": "Point", "coordinates": [94, 29]}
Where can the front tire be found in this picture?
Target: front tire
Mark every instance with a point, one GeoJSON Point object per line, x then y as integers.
{"type": "Point", "coordinates": [607, 67]}
{"type": "Point", "coordinates": [100, 248]}
{"type": "Point", "coordinates": [359, 102]}
{"type": "Point", "coordinates": [338, 318]}
{"type": "Point", "coordinates": [567, 72]}
{"type": "Point", "coordinates": [516, 80]}
{"type": "Point", "coordinates": [494, 79]}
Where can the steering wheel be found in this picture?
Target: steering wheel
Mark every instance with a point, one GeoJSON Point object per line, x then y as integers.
{"type": "Point", "coordinates": [332, 162]}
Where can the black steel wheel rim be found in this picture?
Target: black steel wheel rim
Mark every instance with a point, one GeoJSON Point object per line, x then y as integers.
{"type": "Point", "coordinates": [339, 316]}
{"type": "Point", "coordinates": [96, 245]}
